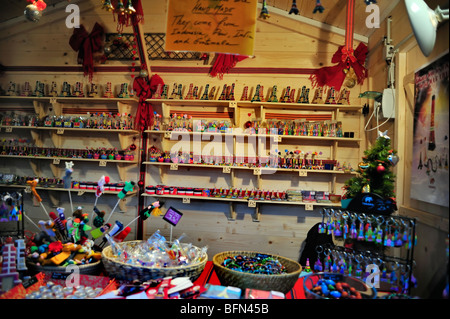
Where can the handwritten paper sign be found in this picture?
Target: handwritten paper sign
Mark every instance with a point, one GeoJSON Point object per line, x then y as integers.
{"type": "Point", "coordinates": [220, 26]}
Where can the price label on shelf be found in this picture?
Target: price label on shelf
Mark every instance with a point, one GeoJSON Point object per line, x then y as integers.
{"type": "Point", "coordinates": [168, 134]}
{"type": "Point", "coordinates": [251, 203]}
{"type": "Point", "coordinates": [28, 189]}
{"type": "Point", "coordinates": [60, 131]}
{"type": "Point", "coordinates": [81, 193]}
{"type": "Point", "coordinates": [186, 200]}
{"type": "Point", "coordinates": [56, 161]}
{"type": "Point", "coordinates": [277, 138]}
{"type": "Point", "coordinates": [309, 206]}
{"type": "Point", "coordinates": [53, 100]}
{"type": "Point", "coordinates": [303, 173]}
{"type": "Point", "coordinates": [102, 163]}
{"type": "Point", "coordinates": [256, 171]}
{"type": "Point", "coordinates": [8, 129]}
{"type": "Point", "coordinates": [173, 167]}
{"type": "Point", "coordinates": [226, 169]}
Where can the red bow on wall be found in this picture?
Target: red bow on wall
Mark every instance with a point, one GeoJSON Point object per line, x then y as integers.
{"type": "Point", "coordinates": [345, 56]}
{"type": "Point", "coordinates": [86, 44]}
{"type": "Point", "coordinates": [144, 90]}
{"type": "Point", "coordinates": [333, 76]}
{"type": "Point", "coordinates": [224, 63]}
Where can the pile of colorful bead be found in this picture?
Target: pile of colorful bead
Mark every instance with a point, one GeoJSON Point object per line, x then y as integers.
{"type": "Point", "coordinates": [258, 264]}
{"type": "Point", "coordinates": [335, 290]}
{"type": "Point", "coordinates": [54, 291]}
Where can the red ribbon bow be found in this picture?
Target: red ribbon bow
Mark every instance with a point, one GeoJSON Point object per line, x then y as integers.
{"type": "Point", "coordinates": [347, 54]}
{"type": "Point", "coordinates": [144, 90]}
{"type": "Point", "coordinates": [333, 76]}
{"type": "Point", "coordinates": [86, 44]}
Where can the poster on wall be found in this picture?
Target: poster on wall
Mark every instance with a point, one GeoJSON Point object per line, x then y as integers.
{"type": "Point", "coordinates": [429, 171]}
{"type": "Point", "coordinates": [218, 26]}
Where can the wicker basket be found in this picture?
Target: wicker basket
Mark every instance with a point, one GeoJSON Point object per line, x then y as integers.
{"type": "Point", "coordinates": [277, 282]}
{"type": "Point", "coordinates": [92, 269]}
{"type": "Point", "coordinates": [123, 271]}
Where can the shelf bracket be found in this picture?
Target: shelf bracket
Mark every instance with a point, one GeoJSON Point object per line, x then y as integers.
{"type": "Point", "coordinates": [233, 214]}
{"type": "Point", "coordinates": [257, 216]}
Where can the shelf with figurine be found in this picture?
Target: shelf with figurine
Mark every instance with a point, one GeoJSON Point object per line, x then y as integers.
{"type": "Point", "coordinates": [90, 122]}
{"type": "Point", "coordinates": [57, 184]}
{"type": "Point", "coordinates": [326, 101]}
{"type": "Point", "coordinates": [181, 124]}
{"type": "Point", "coordinates": [68, 93]}
{"type": "Point", "coordinates": [251, 197]}
{"type": "Point", "coordinates": [294, 161]}
{"type": "Point", "coordinates": [25, 149]}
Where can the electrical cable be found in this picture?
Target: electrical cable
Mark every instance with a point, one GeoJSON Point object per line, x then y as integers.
{"type": "Point", "coordinates": [376, 107]}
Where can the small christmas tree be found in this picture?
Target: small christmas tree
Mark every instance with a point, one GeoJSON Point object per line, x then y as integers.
{"type": "Point", "coordinates": [375, 175]}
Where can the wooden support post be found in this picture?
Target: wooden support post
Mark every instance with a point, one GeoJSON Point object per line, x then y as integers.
{"type": "Point", "coordinates": [145, 66]}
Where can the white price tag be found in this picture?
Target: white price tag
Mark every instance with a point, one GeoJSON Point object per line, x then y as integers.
{"type": "Point", "coordinates": [8, 129]}
{"type": "Point", "coordinates": [173, 167]}
{"type": "Point", "coordinates": [303, 173]}
{"type": "Point", "coordinates": [60, 131]}
{"type": "Point", "coordinates": [277, 138]}
{"type": "Point", "coordinates": [251, 203]}
{"type": "Point", "coordinates": [56, 161]}
{"type": "Point", "coordinates": [80, 193]}
{"type": "Point", "coordinates": [186, 200]}
{"type": "Point", "coordinates": [309, 206]}
{"type": "Point", "coordinates": [226, 169]}
{"type": "Point", "coordinates": [28, 189]}
{"type": "Point", "coordinates": [53, 100]}
{"type": "Point", "coordinates": [102, 163]}
{"type": "Point", "coordinates": [256, 171]}
{"type": "Point", "coordinates": [168, 134]}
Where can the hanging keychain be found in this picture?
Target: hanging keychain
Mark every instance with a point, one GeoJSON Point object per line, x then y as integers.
{"type": "Point", "coordinates": [379, 230]}
{"type": "Point", "coordinates": [327, 260]}
{"type": "Point", "coordinates": [322, 228]}
{"type": "Point", "coordinates": [388, 236]}
{"type": "Point", "coordinates": [338, 226]}
{"type": "Point", "coordinates": [361, 219]}
{"type": "Point", "coordinates": [358, 270]}
{"type": "Point", "coordinates": [318, 265]}
{"type": "Point", "coordinates": [343, 263]}
{"type": "Point", "coordinates": [353, 232]}
{"type": "Point", "coordinates": [330, 222]}
{"type": "Point", "coordinates": [393, 279]}
{"type": "Point", "coordinates": [368, 236]}
{"type": "Point", "coordinates": [345, 217]}
{"type": "Point", "coordinates": [334, 267]}
{"type": "Point", "coordinates": [350, 264]}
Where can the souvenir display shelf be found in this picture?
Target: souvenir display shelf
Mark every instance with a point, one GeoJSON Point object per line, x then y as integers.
{"type": "Point", "coordinates": [43, 106]}
{"type": "Point", "coordinates": [237, 112]}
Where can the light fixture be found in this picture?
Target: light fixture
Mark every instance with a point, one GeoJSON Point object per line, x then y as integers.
{"type": "Point", "coordinates": [424, 22]}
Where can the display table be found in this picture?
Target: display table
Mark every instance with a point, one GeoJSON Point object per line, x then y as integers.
{"type": "Point", "coordinates": [209, 276]}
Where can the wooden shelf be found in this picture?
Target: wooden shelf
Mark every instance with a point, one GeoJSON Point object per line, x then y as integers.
{"type": "Point", "coordinates": [323, 171]}
{"type": "Point", "coordinates": [71, 99]}
{"type": "Point", "coordinates": [61, 130]}
{"type": "Point", "coordinates": [74, 190]}
{"type": "Point", "coordinates": [56, 158]}
{"type": "Point", "coordinates": [168, 134]}
{"type": "Point", "coordinates": [275, 105]}
{"type": "Point", "coordinates": [243, 200]}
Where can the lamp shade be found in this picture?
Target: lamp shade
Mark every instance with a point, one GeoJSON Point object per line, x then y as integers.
{"type": "Point", "coordinates": [424, 24]}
